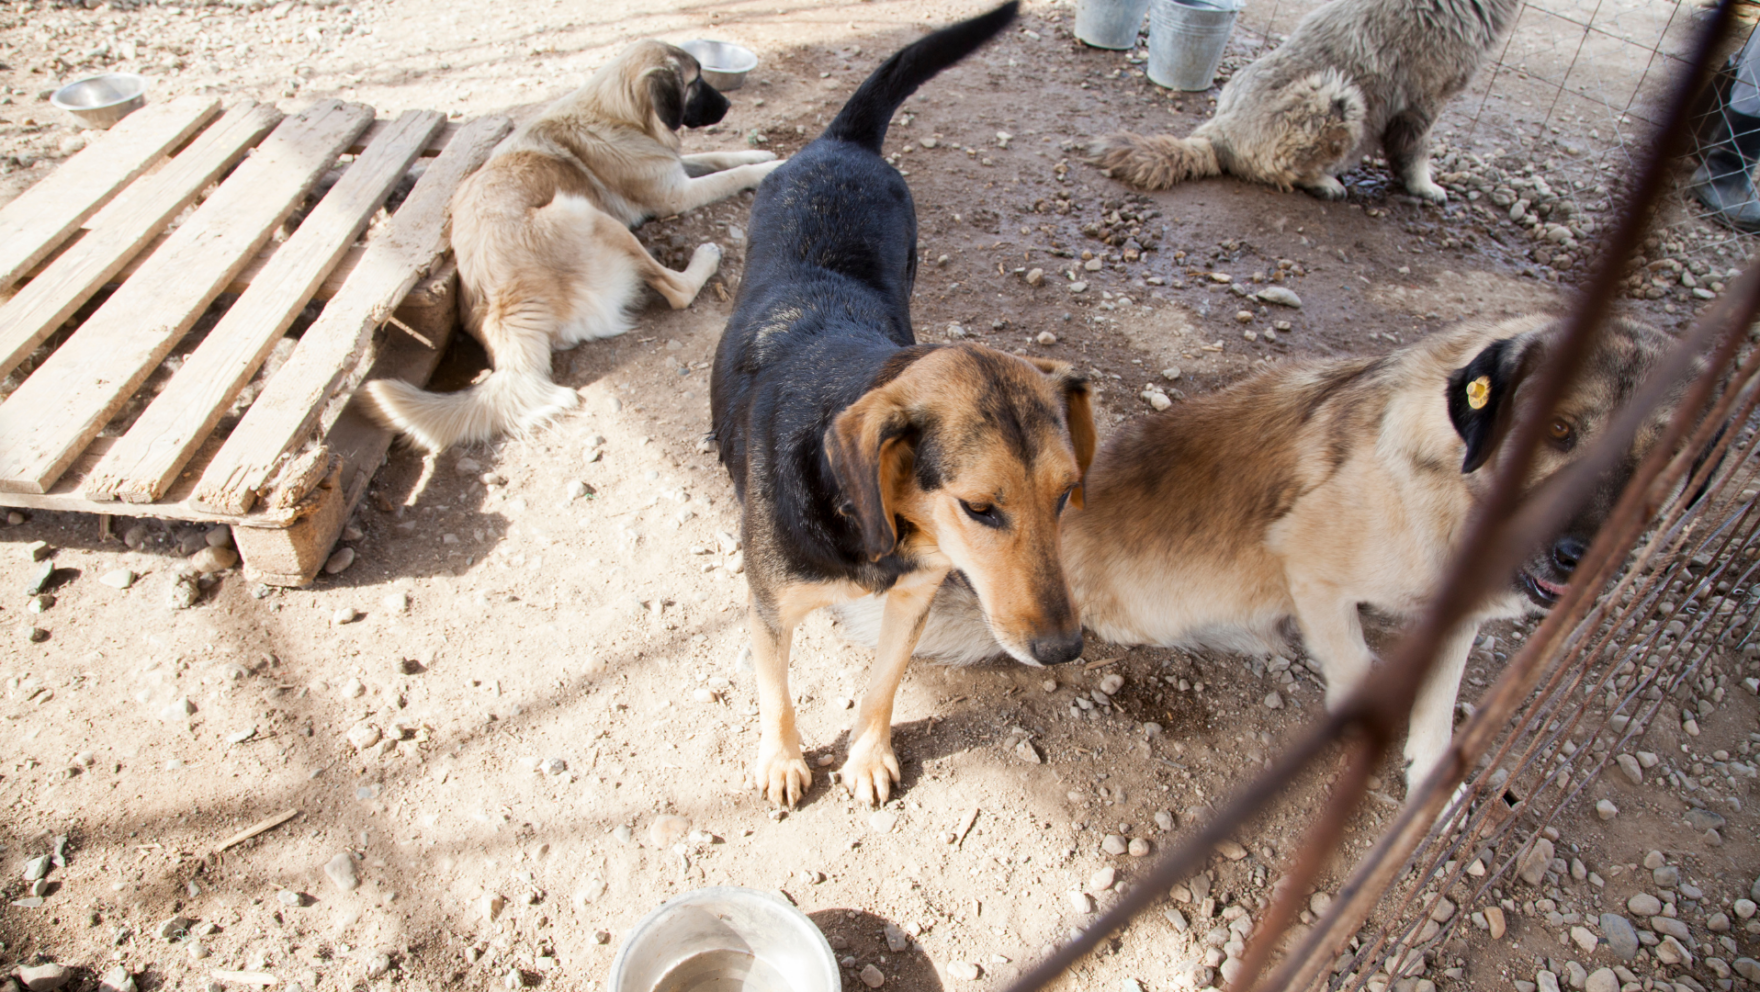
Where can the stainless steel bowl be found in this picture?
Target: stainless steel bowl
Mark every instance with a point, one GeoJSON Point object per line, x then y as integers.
{"type": "Point", "coordinates": [104, 99]}
{"type": "Point", "coordinates": [724, 63]}
{"type": "Point", "coordinates": [725, 938]}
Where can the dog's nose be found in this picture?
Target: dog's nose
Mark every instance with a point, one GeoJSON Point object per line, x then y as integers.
{"type": "Point", "coordinates": [1055, 649]}
{"type": "Point", "coordinates": [1566, 552]}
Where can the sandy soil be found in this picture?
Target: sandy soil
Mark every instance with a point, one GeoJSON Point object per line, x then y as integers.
{"type": "Point", "coordinates": [537, 677]}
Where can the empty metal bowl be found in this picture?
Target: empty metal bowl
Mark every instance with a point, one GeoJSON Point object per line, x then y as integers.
{"type": "Point", "coordinates": [104, 99]}
{"type": "Point", "coordinates": [724, 63]}
{"type": "Point", "coordinates": [725, 939]}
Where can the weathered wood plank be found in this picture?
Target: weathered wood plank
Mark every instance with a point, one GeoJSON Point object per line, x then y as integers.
{"type": "Point", "coordinates": [44, 215]}
{"type": "Point", "coordinates": [75, 392]}
{"type": "Point", "coordinates": [141, 466]}
{"type": "Point", "coordinates": [435, 145]}
{"type": "Point", "coordinates": [293, 557]}
{"type": "Point", "coordinates": [122, 228]}
{"type": "Point", "coordinates": [330, 354]}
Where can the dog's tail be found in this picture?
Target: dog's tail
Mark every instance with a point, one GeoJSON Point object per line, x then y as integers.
{"type": "Point", "coordinates": [864, 119]}
{"type": "Point", "coordinates": [955, 633]}
{"type": "Point", "coordinates": [1156, 161]}
{"type": "Point", "coordinates": [517, 395]}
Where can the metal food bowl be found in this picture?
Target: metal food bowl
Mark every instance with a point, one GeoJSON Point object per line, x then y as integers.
{"type": "Point", "coordinates": [724, 63]}
{"type": "Point", "coordinates": [725, 939]}
{"type": "Point", "coordinates": [104, 99]}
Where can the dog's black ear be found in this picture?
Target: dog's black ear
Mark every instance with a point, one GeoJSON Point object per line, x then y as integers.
{"type": "Point", "coordinates": [1480, 398]}
{"type": "Point", "coordinates": [870, 452]}
{"type": "Point", "coordinates": [666, 94]}
{"type": "Point", "coordinates": [1078, 410]}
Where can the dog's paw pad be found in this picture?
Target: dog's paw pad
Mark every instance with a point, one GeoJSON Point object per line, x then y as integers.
{"type": "Point", "coordinates": [707, 252]}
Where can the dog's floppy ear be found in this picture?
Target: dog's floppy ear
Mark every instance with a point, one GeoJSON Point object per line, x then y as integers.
{"type": "Point", "coordinates": [1078, 410]}
{"type": "Point", "coordinates": [869, 447]}
{"type": "Point", "coordinates": [666, 94]}
{"type": "Point", "coordinates": [1481, 397]}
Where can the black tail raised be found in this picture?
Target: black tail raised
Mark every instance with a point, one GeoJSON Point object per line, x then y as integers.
{"type": "Point", "coordinates": [864, 119]}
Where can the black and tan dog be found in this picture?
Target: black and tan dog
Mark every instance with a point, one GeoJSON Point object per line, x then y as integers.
{"type": "Point", "coordinates": [870, 464]}
{"type": "Point", "coordinates": [1309, 492]}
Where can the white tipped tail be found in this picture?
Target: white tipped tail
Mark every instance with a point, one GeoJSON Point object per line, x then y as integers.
{"type": "Point", "coordinates": [506, 402]}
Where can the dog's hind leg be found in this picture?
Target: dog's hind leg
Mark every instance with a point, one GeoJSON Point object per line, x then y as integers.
{"type": "Point", "coordinates": [872, 766]}
{"type": "Point", "coordinates": [1407, 142]}
{"type": "Point", "coordinates": [1432, 725]}
{"type": "Point", "coordinates": [703, 163]}
{"type": "Point", "coordinates": [678, 288]}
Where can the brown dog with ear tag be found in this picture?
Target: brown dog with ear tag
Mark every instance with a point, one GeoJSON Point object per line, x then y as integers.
{"type": "Point", "coordinates": [869, 464]}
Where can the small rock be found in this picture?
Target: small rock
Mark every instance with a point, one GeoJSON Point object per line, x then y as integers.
{"type": "Point", "coordinates": [1139, 848]}
{"type": "Point", "coordinates": [491, 906]}
{"type": "Point", "coordinates": [1273, 700]}
{"type": "Point", "coordinates": [364, 735]}
{"type": "Point", "coordinates": [966, 971]}
{"type": "Point", "coordinates": [33, 634]}
{"type": "Point", "coordinates": [1744, 909]}
{"type": "Point", "coordinates": [43, 977]}
{"type": "Point", "coordinates": [1244, 317]}
{"type": "Point", "coordinates": [1081, 902]}
{"type": "Point", "coordinates": [37, 551]}
{"type": "Point", "coordinates": [116, 979]}
{"type": "Point", "coordinates": [1036, 277]}
{"type": "Point", "coordinates": [341, 872]}
{"type": "Point", "coordinates": [1443, 911]}
{"type": "Point", "coordinates": [177, 711]}
{"type": "Point", "coordinates": [1630, 768]}
{"type": "Point", "coordinates": [1644, 904]}
{"type": "Point", "coordinates": [667, 830]}
{"type": "Point", "coordinates": [1046, 338]}
{"type": "Point", "coordinates": [1584, 939]}
{"type": "Point", "coordinates": [1702, 820]}
{"type": "Point", "coordinates": [1671, 951]}
{"type": "Point", "coordinates": [183, 594]}
{"type": "Point", "coordinates": [1621, 936]}
{"type": "Point", "coordinates": [1078, 287]}
{"type": "Point", "coordinates": [896, 941]}
{"type": "Point", "coordinates": [883, 821]}
{"type": "Point", "coordinates": [553, 766]}
{"type": "Point", "coordinates": [1113, 844]}
{"type": "Point", "coordinates": [376, 965]}
{"type": "Point", "coordinates": [1028, 753]}
{"type": "Point", "coordinates": [1494, 922]}
{"type": "Point", "coordinates": [397, 602]}
{"type": "Point", "coordinates": [871, 976]}
{"type": "Point", "coordinates": [1748, 968]}
{"type": "Point", "coordinates": [1156, 399]}
{"type": "Point", "coordinates": [1654, 860]}
{"type": "Point", "coordinates": [38, 578]}
{"type": "Point", "coordinates": [1534, 863]}
{"type": "Point", "coordinates": [120, 578]}
{"type": "Point", "coordinates": [37, 868]}
{"type": "Point", "coordinates": [1546, 981]}
{"type": "Point", "coordinates": [288, 897]}
{"type": "Point", "coordinates": [339, 561]}
{"type": "Point", "coordinates": [175, 928]}
{"type": "Point", "coordinates": [1231, 850]}
{"type": "Point", "coordinates": [1102, 880]}
{"type": "Point", "coordinates": [347, 614]}
{"type": "Point", "coordinates": [1717, 923]}
{"type": "Point", "coordinates": [1171, 373]}
{"type": "Point", "coordinates": [1601, 980]}
{"type": "Point", "coordinates": [1606, 810]}
{"type": "Point", "coordinates": [1164, 821]}
{"type": "Point", "coordinates": [1281, 296]}
{"type": "Point", "coordinates": [1670, 926]}
{"type": "Point", "coordinates": [1666, 877]}
{"type": "Point", "coordinates": [210, 560]}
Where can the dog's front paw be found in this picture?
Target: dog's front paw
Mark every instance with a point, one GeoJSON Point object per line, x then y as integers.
{"type": "Point", "coordinates": [707, 255]}
{"type": "Point", "coordinates": [781, 774]}
{"type": "Point", "coordinates": [870, 771]}
{"type": "Point", "coordinates": [760, 156]}
{"type": "Point", "coordinates": [1428, 190]}
{"type": "Point", "coordinates": [1325, 187]}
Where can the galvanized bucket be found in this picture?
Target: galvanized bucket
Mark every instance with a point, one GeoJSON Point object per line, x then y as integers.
{"type": "Point", "coordinates": [1110, 23]}
{"type": "Point", "coordinates": [1186, 39]}
{"type": "Point", "coordinates": [725, 938]}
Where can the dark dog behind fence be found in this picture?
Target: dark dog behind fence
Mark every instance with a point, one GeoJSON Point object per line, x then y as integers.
{"type": "Point", "coordinates": [1583, 634]}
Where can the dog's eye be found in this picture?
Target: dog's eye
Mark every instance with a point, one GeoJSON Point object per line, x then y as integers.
{"type": "Point", "coordinates": [1063, 501]}
{"type": "Point", "coordinates": [983, 513]}
{"type": "Point", "coordinates": [1562, 433]}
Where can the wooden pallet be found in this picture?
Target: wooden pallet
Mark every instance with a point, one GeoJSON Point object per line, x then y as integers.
{"type": "Point", "coordinates": [138, 212]}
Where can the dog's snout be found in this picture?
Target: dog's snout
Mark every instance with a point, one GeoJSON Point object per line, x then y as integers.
{"type": "Point", "coordinates": [1055, 649]}
{"type": "Point", "coordinates": [1566, 552]}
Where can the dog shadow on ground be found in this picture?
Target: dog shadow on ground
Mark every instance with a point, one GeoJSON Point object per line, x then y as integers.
{"type": "Point", "coordinates": [867, 937]}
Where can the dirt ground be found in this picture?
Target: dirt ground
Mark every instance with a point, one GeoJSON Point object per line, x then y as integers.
{"type": "Point", "coordinates": [488, 720]}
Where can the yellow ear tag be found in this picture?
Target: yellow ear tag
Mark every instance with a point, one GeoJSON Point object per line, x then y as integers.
{"type": "Point", "coordinates": [1479, 392]}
